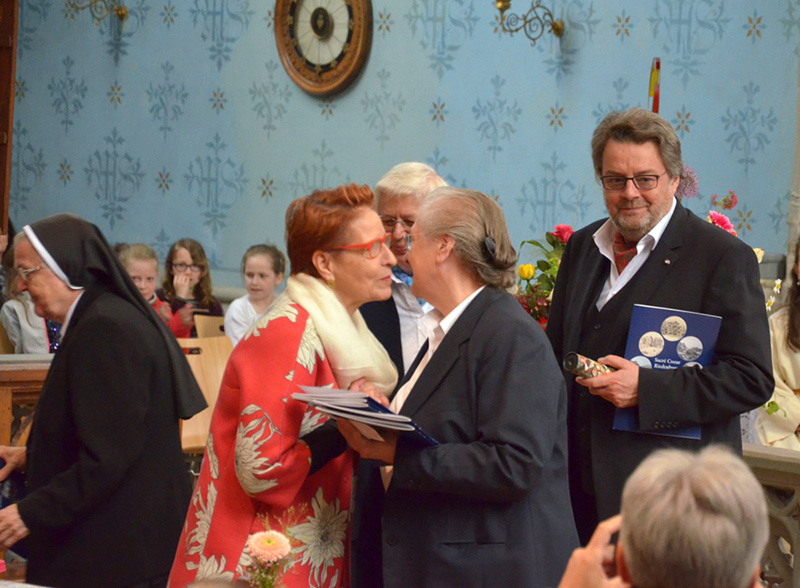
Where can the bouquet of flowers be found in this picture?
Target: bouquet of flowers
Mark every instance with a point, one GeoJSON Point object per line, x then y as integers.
{"type": "Point", "coordinates": [269, 550]}
{"type": "Point", "coordinates": [716, 217]}
{"type": "Point", "coordinates": [536, 280]}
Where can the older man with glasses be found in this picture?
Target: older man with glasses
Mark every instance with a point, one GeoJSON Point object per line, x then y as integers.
{"type": "Point", "coordinates": [395, 322]}
{"type": "Point", "coordinates": [651, 251]}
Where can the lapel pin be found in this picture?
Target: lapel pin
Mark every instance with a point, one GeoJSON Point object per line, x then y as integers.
{"type": "Point", "coordinates": [667, 262]}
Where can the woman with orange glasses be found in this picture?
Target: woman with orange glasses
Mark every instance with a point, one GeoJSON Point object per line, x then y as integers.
{"type": "Point", "coordinates": [275, 463]}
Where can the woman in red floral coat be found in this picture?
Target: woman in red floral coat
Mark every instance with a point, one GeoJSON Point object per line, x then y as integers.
{"type": "Point", "coordinates": [272, 462]}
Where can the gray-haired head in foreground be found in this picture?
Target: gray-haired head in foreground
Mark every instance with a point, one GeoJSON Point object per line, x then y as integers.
{"type": "Point", "coordinates": [693, 519]}
{"type": "Point", "coordinates": [408, 179]}
{"type": "Point", "coordinates": [469, 217]}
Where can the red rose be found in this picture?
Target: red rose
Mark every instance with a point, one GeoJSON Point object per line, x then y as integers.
{"type": "Point", "coordinates": [563, 232]}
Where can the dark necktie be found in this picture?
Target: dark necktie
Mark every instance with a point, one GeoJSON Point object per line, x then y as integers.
{"type": "Point", "coordinates": [623, 253]}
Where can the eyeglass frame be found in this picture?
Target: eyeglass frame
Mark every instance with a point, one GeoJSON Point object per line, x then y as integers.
{"type": "Point", "coordinates": [385, 240]}
{"type": "Point", "coordinates": [24, 273]}
{"type": "Point", "coordinates": [181, 267]}
{"type": "Point", "coordinates": [633, 179]}
{"type": "Point", "coordinates": [390, 222]}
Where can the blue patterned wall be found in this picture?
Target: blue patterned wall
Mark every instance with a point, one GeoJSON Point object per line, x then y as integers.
{"type": "Point", "coordinates": [183, 122]}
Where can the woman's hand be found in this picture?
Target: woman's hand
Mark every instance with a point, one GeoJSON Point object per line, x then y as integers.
{"type": "Point", "coordinates": [12, 528]}
{"type": "Point", "coordinates": [182, 284]}
{"type": "Point", "coordinates": [368, 388]}
{"type": "Point", "coordinates": [15, 458]}
{"type": "Point", "coordinates": [367, 448]}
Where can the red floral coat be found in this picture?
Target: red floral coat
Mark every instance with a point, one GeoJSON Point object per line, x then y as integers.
{"type": "Point", "coordinates": [255, 469]}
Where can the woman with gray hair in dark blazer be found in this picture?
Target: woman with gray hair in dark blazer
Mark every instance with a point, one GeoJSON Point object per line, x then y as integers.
{"type": "Point", "coordinates": [489, 505]}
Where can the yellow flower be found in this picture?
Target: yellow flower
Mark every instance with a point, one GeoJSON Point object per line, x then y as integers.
{"type": "Point", "coordinates": [526, 271]}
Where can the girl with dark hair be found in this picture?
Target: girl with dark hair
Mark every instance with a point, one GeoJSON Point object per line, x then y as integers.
{"type": "Point", "coordinates": [187, 287]}
{"type": "Point", "coordinates": [778, 423]}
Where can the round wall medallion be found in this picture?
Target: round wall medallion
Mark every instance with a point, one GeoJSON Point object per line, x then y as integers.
{"type": "Point", "coordinates": [323, 44]}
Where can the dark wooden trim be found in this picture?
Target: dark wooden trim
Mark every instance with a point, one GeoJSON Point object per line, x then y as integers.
{"type": "Point", "coordinates": [9, 9]}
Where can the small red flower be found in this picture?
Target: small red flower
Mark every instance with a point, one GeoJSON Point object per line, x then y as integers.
{"type": "Point", "coordinates": [563, 232]}
{"type": "Point", "coordinates": [731, 201]}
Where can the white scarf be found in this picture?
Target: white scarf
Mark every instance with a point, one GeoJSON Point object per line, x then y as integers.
{"type": "Point", "coordinates": [353, 351]}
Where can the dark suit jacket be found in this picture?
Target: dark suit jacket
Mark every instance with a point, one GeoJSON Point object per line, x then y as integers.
{"type": "Point", "coordinates": [696, 267]}
{"type": "Point", "coordinates": [384, 322]}
{"type": "Point", "coordinates": [108, 488]}
{"type": "Point", "coordinates": [488, 506]}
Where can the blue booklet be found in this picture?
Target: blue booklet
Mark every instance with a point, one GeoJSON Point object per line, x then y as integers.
{"type": "Point", "coordinates": [365, 413]}
{"type": "Point", "coordinates": [667, 339]}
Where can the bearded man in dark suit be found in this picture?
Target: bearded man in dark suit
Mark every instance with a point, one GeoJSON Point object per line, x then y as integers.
{"type": "Point", "coordinates": [651, 250]}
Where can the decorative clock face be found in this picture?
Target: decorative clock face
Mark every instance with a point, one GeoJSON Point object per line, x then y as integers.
{"type": "Point", "coordinates": [323, 44]}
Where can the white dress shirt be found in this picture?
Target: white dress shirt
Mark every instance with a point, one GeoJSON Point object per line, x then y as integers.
{"type": "Point", "coordinates": [604, 237]}
{"type": "Point", "coordinates": [410, 313]}
{"type": "Point", "coordinates": [437, 326]}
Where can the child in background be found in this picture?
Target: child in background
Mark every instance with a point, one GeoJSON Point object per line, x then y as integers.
{"type": "Point", "coordinates": [28, 332]}
{"type": "Point", "coordinates": [141, 263]}
{"type": "Point", "coordinates": [262, 269]}
{"type": "Point", "coordinates": [187, 287]}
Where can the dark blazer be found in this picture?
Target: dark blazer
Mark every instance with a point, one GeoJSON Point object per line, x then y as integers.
{"type": "Point", "coordinates": [107, 483]}
{"type": "Point", "coordinates": [488, 506]}
{"type": "Point", "coordinates": [696, 267]}
{"type": "Point", "coordinates": [384, 322]}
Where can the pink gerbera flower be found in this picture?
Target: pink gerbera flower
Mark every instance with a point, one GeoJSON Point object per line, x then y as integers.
{"type": "Point", "coordinates": [268, 546]}
{"type": "Point", "coordinates": [722, 221]}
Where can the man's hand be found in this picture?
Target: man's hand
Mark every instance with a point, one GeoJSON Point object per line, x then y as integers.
{"type": "Point", "coordinates": [15, 458]}
{"type": "Point", "coordinates": [593, 566]}
{"type": "Point", "coordinates": [12, 529]}
{"type": "Point", "coordinates": [367, 448]}
{"type": "Point", "coordinates": [620, 388]}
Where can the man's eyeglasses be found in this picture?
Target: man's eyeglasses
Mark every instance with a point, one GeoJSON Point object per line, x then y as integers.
{"type": "Point", "coordinates": [373, 248]}
{"type": "Point", "coordinates": [409, 240]}
{"type": "Point", "coordinates": [181, 267]}
{"type": "Point", "coordinates": [389, 222]}
{"type": "Point", "coordinates": [643, 182]}
{"type": "Point", "coordinates": [26, 272]}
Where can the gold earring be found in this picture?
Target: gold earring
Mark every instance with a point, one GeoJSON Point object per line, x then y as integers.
{"type": "Point", "coordinates": [331, 283]}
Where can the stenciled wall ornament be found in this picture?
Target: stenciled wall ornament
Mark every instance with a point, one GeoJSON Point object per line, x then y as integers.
{"type": "Point", "coordinates": [323, 44]}
{"type": "Point", "coordinates": [533, 23]}
{"type": "Point", "coordinates": [99, 8]}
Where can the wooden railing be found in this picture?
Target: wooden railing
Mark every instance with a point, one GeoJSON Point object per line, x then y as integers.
{"type": "Point", "coordinates": [778, 470]}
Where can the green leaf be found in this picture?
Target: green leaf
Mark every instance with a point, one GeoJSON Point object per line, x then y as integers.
{"type": "Point", "coordinates": [543, 265]}
{"type": "Point", "coordinates": [772, 407]}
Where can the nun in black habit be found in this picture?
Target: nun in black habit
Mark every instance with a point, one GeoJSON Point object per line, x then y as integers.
{"type": "Point", "coordinates": [107, 486]}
